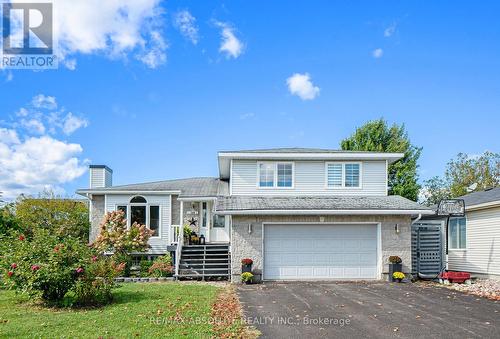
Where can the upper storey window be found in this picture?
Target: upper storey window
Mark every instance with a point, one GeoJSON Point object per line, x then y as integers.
{"type": "Point", "coordinates": [340, 175]}
{"type": "Point", "coordinates": [275, 174]}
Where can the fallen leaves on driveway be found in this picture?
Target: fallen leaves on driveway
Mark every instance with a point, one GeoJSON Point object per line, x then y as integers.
{"type": "Point", "coordinates": [487, 288]}
{"type": "Point", "coordinates": [227, 316]}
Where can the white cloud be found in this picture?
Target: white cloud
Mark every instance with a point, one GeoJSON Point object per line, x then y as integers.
{"type": "Point", "coordinates": [72, 123]}
{"type": "Point", "coordinates": [38, 163]}
{"type": "Point", "coordinates": [8, 136]}
{"type": "Point", "coordinates": [302, 86]}
{"type": "Point", "coordinates": [230, 44]}
{"type": "Point", "coordinates": [185, 22]}
{"type": "Point", "coordinates": [42, 116]}
{"type": "Point", "coordinates": [30, 162]}
{"type": "Point", "coordinates": [112, 28]}
{"type": "Point", "coordinates": [154, 56]}
{"type": "Point", "coordinates": [43, 101]}
{"type": "Point", "coordinates": [378, 53]}
{"type": "Point", "coordinates": [389, 31]}
{"type": "Point", "coordinates": [34, 126]}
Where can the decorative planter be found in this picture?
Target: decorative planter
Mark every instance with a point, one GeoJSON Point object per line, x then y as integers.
{"type": "Point", "coordinates": [399, 280]}
{"type": "Point", "coordinates": [394, 268]}
{"type": "Point", "coordinates": [249, 282]}
{"type": "Point", "coordinates": [246, 268]}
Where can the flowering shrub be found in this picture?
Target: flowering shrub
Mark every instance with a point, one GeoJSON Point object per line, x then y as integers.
{"type": "Point", "coordinates": [246, 261]}
{"type": "Point", "coordinates": [161, 267]}
{"type": "Point", "coordinates": [246, 277]}
{"type": "Point", "coordinates": [115, 237]}
{"type": "Point", "coordinates": [398, 275]}
{"type": "Point", "coordinates": [48, 267]}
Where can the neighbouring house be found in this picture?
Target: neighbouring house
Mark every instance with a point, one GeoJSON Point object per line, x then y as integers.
{"type": "Point", "coordinates": [298, 213]}
{"type": "Point", "coordinates": [474, 240]}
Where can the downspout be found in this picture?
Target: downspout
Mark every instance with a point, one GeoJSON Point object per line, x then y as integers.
{"type": "Point", "coordinates": [417, 220]}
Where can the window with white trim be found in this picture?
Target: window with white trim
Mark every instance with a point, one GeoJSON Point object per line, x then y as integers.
{"type": "Point", "coordinates": [275, 174]}
{"type": "Point", "coordinates": [139, 211]}
{"type": "Point", "coordinates": [266, 175]}
{"type": "Point", "coordinates": [457, 234]}
{"type": "Point", "coordinates": [285, 175]}
{"type": "Point", "coordinates": [340, 175]}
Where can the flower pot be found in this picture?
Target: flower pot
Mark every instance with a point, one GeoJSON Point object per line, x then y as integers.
{"type": "Point", "coordinates": [394, 268]}
{"type": "Point", "coordinates": [399, 280]}
{"type": "Point", "coordinates": [248, 282]}
{"type": "Point", "coordinates": [246, 268]}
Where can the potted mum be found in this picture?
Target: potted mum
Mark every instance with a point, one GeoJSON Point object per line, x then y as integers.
{"type": "Point", "coordinates": [398, 276]}
{"type": "Point", "coordinates": [247, 277]}
{"type": "Point", "coordinates": [395, 265]}
{"type": "Point", "coordinates": [246, 265]}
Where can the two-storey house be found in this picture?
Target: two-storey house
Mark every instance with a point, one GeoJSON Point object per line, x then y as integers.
{"type": "Point", "coordinates": [299, 214]}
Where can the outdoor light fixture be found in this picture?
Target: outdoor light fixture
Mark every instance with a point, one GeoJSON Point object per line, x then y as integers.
{"type": "Point", "coordinates": [396, 228]}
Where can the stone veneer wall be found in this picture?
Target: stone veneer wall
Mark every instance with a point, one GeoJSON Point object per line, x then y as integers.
{"type": "Point", "coordinates": [96, 215]}
{"type": "Point", "coordinates": [249, 245]}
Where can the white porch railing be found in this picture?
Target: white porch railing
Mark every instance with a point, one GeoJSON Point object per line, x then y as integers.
{"type": "Point", "coordinates": [174, 230]}
{"type": "Point", "coordinates": [180, 240]}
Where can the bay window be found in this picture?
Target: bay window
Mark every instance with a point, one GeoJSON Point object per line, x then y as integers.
{"type": "Point", "coordinates": [140, 212]}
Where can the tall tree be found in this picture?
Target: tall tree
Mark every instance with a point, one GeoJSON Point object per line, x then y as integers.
{"type": "Point", "coordinates": [378, 136]}
{"type": "Point", "coordinates": [464, 174]}
{"type": "Point", "coordinates": [481, 171]}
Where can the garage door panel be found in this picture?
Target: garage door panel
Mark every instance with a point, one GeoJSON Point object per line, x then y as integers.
{"type": "Point", "coordinates": [302, 252]}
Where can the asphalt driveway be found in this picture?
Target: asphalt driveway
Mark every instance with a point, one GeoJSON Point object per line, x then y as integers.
{"type": "Point", "coordinates": [371, 310]}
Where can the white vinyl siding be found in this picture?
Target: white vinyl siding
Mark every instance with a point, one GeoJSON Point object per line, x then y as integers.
{"type": "Point", "coordinates": [482, 252]}
{"type": "Point", "coordinates": [309, 178]}
{"type": "Point", "coordinates": [100, 177]}
{"type": "Point", "coordinates": [158, 244]}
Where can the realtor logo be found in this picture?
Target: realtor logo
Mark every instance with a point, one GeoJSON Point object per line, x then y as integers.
{"type": "Point", "coordinates": [27, 32]}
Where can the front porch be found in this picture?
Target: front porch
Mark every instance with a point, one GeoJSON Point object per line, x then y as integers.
{"type": "Point", "coordinates": [209, 257]}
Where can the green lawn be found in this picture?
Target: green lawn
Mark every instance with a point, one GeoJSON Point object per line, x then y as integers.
{"type": "Point", "coordinates": [139, 310]}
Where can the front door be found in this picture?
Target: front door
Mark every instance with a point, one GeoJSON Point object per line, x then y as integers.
{"type": "Point", "coordinates": [219, 231]}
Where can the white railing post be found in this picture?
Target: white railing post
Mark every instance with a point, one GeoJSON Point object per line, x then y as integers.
{"type": "Point", "coordinates": [180, 241]}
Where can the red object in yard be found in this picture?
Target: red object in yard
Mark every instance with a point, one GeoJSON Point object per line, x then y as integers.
{"type": "Point", "coordinates": [457, 277]}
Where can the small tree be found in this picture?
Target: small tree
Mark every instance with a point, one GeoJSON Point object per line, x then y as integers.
{"type": "Point", "coordinates": [61, 217]}
{"type": "Point", "coordinates": [463, 172]}
{"type": "Point", "coordinates": [116, 238]}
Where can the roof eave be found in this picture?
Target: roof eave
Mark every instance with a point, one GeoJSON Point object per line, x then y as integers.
{"type": "Point", "coordinates": [325, 212]}
{"type": "Point", "coordinates": [104, 191]}
{"type": "Point", "coordinates": [481, 206]}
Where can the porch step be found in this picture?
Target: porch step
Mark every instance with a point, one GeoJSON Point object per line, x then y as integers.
{"type": "Point", "coordinates": [209, 261]}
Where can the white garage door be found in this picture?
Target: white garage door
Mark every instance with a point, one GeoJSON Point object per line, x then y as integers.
{"type": "Point", "coordinates": [309, 252]}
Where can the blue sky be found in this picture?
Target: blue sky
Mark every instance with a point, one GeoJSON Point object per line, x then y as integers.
{"type": "Point", "coordinates": [433, 67]}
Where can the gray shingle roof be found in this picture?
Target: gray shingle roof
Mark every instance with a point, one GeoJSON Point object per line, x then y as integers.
{"type": "Point", "coordinates": [481, 197]}
{"type": "Point", "coordinates": [190, 187]}
{"type": "Point", "coordinates": [242, 203]}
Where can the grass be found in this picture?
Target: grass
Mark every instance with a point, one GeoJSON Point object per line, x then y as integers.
{"type": "Point", "coordinates": [139, 310]}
